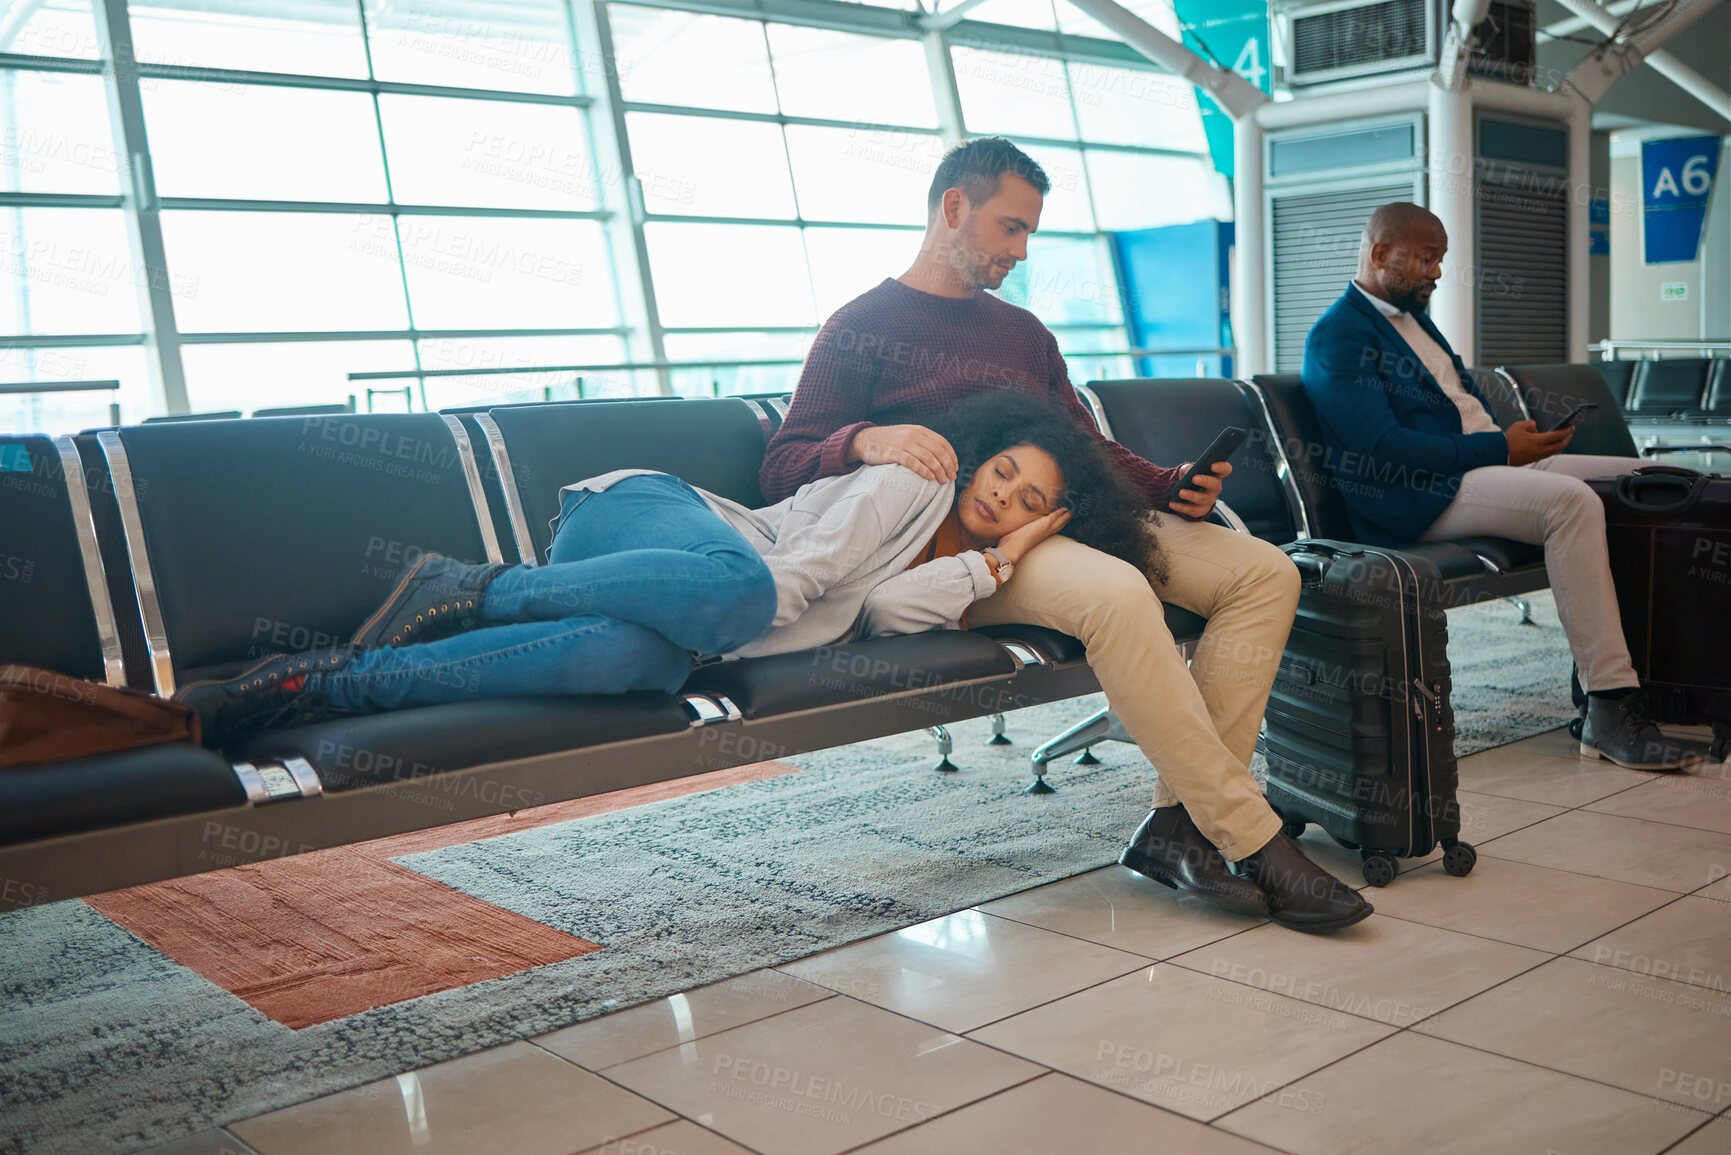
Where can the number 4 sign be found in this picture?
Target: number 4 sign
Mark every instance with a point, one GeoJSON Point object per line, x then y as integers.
{"type": "Point", "coordinates": [1676, 181]}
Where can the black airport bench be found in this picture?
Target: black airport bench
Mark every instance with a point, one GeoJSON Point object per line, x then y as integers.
{"type": "Point", "coordinates": [240, 538]}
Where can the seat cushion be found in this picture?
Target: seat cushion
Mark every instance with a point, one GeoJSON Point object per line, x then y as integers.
{"type": "Point", "coordinates": [1061, 647]}
{"type": "Point", "coordinates": [291, 529]}
{"type": "Point", "coordinates": [405, 744]}
{"type": "Point", "coordinates": [48, 620]}
{"type": "Point", "coordinates": [113, 790]}
{"type": "Point", "coordinates": [852, 671]}
{"type": "Point", "coordinates": [1171, 421]}
{"type": "Point", "coordinates": [1452, 560]}
{"type": "Point", "coordinates": [1052, 645]}
{"type": "Point", "coordinates": [1506, 555]}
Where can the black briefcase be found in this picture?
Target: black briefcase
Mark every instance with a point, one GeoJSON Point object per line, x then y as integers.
{"type": "Point", "coordinates": [1360, 736]}
{"type": "Point", "coordinates": [1669, 537]}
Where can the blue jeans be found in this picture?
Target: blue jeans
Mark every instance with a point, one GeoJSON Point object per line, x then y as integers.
{"type": "Point", "coordinates": [642, 578]}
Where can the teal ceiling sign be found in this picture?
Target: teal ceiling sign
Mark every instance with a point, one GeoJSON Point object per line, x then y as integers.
{"type": "Point", "coordinates": [1233, 33]}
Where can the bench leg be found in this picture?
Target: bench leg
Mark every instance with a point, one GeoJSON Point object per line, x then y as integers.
{"type": "Point", "coordinates": [1526, 610]}
{"type": "Point", "coordinates": [1102, 727]}
{"type": "Point", "coordinates": [998, 738]}
{"type": "Point", "coordinates": [945, 747]}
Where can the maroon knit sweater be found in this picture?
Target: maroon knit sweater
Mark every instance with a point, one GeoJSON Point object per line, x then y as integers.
{"type": "Point", "coordinates": [898, 356]}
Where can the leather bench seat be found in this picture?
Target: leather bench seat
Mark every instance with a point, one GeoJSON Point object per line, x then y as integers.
{"type": "Point", "coordinates": [1454, 561]}
{"type": "Point", "coordinates": [852, 671]}
{"type": "Point", "coordinates": [1060, 647]}
{"type": "Point", "coordinates": [1506, 555]}
{"type": "Point", "coordinates": [114, 789]}
{"type": "Point", "coordinates": [1049, 644]}
{"type": "Point", "coordinates": [403, 744]}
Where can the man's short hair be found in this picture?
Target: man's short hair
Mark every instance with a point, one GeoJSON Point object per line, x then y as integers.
{"type": "Point", "coordinates": [976, 167]}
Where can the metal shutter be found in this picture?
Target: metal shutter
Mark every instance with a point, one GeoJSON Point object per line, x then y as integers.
{"type": "Point", "coordinates": [1522, 302]}
{"type": "Point", "coordinates": [1315, 248]}
{"type": "Point", "coordinates": [1345, 37]}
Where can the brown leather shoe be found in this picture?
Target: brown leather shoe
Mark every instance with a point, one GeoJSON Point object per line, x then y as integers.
{"type": "Point", "coordinates": [1300, 893]}
{"type": "Point", "coordinates": [1170, 849]}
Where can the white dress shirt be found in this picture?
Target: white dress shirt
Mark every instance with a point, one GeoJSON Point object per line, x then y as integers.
{"type": "Point", "coordinates": [1475, 418]}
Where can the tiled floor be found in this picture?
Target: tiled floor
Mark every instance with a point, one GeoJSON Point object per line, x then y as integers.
{"type": "Point", "coordinates": [1572, 995]}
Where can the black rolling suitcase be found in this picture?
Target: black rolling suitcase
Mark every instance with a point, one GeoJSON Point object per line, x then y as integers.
{"type": "Point", "coordinates": [1669, 533]}
{"type": "Point", "coordinates": [1360, 733]}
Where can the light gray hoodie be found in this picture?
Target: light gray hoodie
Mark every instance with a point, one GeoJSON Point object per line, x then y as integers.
{"type": "Point", "coordinates": [839, 550]}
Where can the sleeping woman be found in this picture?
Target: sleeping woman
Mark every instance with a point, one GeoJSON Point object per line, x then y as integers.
{"type": "Point", "coordinates": [648, 577]}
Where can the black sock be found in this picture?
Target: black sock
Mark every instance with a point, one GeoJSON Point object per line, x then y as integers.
{"type": "Point", "coordinates": [1616, 695]}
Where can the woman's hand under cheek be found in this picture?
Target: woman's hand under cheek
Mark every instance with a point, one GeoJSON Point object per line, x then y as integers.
{"type": "Point", "coordinates": [1019, 541]}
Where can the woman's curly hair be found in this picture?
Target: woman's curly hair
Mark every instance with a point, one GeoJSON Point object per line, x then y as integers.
{"type": "Point", "coordinates": [1106, 512]}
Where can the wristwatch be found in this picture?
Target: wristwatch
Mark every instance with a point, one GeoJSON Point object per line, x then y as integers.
{"type": "Point", "coordinates": [1002, 569]}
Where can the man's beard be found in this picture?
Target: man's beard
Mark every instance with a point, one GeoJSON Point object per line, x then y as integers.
{"type": "Point", "coordinates": [1406, 300]}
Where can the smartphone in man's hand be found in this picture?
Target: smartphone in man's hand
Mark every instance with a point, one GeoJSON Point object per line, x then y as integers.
{"type": "Point", "coordinates": [1574, 417]}
{"type": "Point", "coordinates": [1222, 447]}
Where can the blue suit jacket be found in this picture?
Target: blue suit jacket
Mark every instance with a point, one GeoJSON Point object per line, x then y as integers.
{"type": "Point", "coordinates": [1395, 444]}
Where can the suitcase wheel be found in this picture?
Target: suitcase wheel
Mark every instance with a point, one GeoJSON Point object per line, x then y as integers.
{"type": "Point", "coordinates": [1575, 726]}
{"type": "Point", "coordinates": [1459, 859]}
{"type": "Point", "coordinates": [1291, 825]}
{"type": "Point", "coordinates": [1379, 869]}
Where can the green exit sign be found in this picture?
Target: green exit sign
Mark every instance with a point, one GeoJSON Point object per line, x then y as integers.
{"type": "Point", "coordinates": [1674, 291]}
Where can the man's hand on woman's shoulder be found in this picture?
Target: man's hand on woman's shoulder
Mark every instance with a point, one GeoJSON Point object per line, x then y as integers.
{"type": "Point", "coordinates": [915, 446]}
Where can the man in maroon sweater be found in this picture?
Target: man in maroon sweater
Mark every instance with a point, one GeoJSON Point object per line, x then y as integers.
{"type": "Point", "coordinates": [892, 360]}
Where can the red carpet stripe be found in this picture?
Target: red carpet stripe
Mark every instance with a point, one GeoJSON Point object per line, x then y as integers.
{"type": "Point", "coordinates": [325, 935]}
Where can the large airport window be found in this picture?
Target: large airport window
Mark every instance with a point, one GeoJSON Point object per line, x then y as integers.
{"type": "Point", "coordinates": [64, 28]}
{"type": "Point", "coordinates": [67, 270]}
{"type": "Point", "coordinates": [1014, 93]}
{"type": "Point", "coordinates": [511, 370]}
{"type": "Point", "coordinates": [240, 272]}
{"type": "Point", "coordinates": [863, 174]}
{"type": "Point", "coordinates": [488, 153]}
{"type": "Point", "coordinates": [668, 57]}
{"type": "Point", "coordinates": [263, 142]}
{"type": "Point", "coordinates": [310, 37]}
{"type": "Point", "coordinates": [502, 45]}
{"type": "Point", "coordinates": [54, 134]}
{"type": "Point", "coordinates": [842, 76]}
{"type": "Point", "coordinates": [445, 181]}
{"type": "Point", "coordinates": [733, 276]}
{"type": "Point", "coordinates": [468, 272]}
{"type": "Point", "coordinates": [691, 166]}
{"type": "Point", "coordinates": [276, 374]}
{"type": "Point", "coordinates": [1066, 280]}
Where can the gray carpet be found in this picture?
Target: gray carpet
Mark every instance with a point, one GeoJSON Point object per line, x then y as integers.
{"type": "Point", "coordinates": [105, 1045]}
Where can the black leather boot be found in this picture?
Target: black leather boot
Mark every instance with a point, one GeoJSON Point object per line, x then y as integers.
{"type": "Point", "coordinates": [278, 692]}
{"type": "Point", "coordinates": [1619, 729]}
{"type": "Point", "coordinates": [438, 596]}
{"type": "Point", "coordinates": [1170, 849]}
{"type": "Point", "coordinates": [1300, 893]}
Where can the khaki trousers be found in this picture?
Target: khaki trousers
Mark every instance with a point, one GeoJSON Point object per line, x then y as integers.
{"type": "Point", "coordinates": [1549, 503]}
{"type": "Point", "coordinates": [1198, 726]}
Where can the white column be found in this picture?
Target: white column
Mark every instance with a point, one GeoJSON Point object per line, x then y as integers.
{"type": "Point", "coordinates": [1451, 199]}
{"type": "Point", "coordinates": [1250, 272]}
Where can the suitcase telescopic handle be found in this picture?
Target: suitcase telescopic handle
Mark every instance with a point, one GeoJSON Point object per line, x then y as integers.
{"type": "Point", "coordinates": [1644, 492]}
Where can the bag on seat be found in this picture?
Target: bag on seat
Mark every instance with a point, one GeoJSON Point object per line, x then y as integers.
{"type": "Point", "coordinates": [49, 717]}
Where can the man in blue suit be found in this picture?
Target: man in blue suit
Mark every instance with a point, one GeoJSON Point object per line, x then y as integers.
{"type": "Point", "coordinates": [1418, 456]}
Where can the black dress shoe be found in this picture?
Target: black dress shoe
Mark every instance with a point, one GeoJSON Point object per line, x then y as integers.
{"type": "Point", "coordinates": [1169, 849]}
{"type": "Point", "coordinates": [438, 597]}
{"type": "Point", "coordinates": [1621, 731]}
{"type": "Point", "coordinates": [278, 692]}
{"type": "Point", "coordinates": [1300, 893]}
